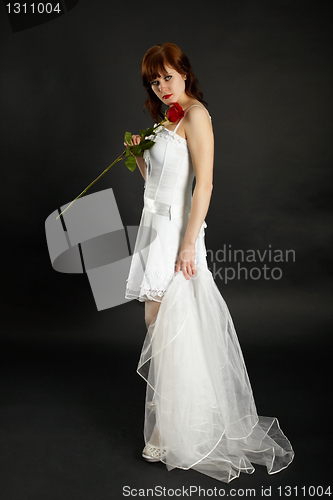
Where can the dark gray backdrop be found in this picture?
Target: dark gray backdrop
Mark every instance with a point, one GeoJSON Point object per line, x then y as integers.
{"type": "Point", "coordinates": [71, 87]}
{"type": "Point", "coordinates": [69, 90]}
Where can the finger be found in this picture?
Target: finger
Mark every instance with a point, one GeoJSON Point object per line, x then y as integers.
{"type": "Point", "coordinates": [136, 141]}
{"type": "Point", "coordinates": [178, 267]}
{"type": "Point", "coordinates": [186, 273]}
{"type": "Point", "coordinates": [192, 270]}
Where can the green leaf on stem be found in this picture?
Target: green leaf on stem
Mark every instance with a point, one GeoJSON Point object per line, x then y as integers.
{"type": "Point", "coordinates": [130, 163]}
{"type": "Point", "coordinates": [137, 150]}
{"type": "Point", "coordinates": [147, 145]}
{"type": "Point", "coordinates": [128, 137]}
{"type": "Point", "coordinates": [146, 132]}
{"type": "Point", "coordinates": [128, 150]}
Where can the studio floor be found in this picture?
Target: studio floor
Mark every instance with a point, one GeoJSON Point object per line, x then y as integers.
{"type": "Point", "coordinates": [71, 423]}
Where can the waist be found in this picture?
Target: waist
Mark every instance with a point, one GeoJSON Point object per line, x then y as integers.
{"type": "Point", "coordinates": [171, 211]}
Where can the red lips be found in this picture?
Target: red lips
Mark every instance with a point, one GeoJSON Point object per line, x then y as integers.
{"type": "Point", "coordinates": [167, 96]}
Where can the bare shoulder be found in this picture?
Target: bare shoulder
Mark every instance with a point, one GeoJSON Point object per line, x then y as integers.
{"type": "Point", "coordinates": [196, 113]}
{"type": "Point", "coordinates": [197, 120]}
{"type": "Point", "coordinates": [196, 109]}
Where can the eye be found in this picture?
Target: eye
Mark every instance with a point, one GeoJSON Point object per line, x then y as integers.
{"type": "Point", "coordinates": [155, 83]}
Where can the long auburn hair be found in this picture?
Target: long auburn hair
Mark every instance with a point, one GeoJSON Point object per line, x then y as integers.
{"type": "Point", "coordinates": [154, 62]}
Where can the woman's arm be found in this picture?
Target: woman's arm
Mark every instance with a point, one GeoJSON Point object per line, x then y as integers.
{"type": "Point", "coordinates": [141, 163]}
{"type": "Point", "coordinates": [139, 159]}
{"type": "Point", "coordinates": [200, 140]}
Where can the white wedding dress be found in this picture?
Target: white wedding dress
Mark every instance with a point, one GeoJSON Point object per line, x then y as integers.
{"type": "Point", "coordinates": [199, 400]}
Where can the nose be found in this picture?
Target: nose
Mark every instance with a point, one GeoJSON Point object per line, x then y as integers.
{"type": "Point", "coordinates": [162, 86]}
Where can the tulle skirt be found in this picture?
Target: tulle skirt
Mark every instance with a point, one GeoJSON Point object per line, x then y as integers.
{"type": "Point", "coordinates": [199, 401]}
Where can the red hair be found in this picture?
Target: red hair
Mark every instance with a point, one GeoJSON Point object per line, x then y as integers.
{"type": "Point", "coordinates": [153, 64]}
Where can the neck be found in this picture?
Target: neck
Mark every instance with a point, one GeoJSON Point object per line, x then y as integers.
{"type": "Point", "coordinates": [184, 101]}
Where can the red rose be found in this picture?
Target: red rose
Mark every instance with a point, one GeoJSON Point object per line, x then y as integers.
{"type": "Point", "coordinates": [175, 113]}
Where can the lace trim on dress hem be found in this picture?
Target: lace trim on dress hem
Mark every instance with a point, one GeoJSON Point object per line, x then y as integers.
{"type": "Point", "coordinates": [153, 293]}
{"type": "Point", "coordinates": [145, 291]}
{"type": "Point", "coordinates": [145, 295]}
{"type": "Point", "coordinates": [155, 279]}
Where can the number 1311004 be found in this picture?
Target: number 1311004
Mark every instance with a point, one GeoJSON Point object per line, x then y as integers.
{"type": "Point", "coordinates": [33, 8]}
{"type": "Point", "coordinates": [304, 491]}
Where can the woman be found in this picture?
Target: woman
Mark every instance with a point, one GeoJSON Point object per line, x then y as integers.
{"type": "Point", "coordinates": [200, 412]}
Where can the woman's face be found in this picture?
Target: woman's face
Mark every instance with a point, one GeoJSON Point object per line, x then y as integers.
{"type": "Point", "coordinates": [170, 86]}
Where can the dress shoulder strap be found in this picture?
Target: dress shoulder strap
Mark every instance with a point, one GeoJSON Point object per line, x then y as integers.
{"type": "Point", "coordinates": [198, 105]}
{"type": "Point", "coordinates": [187, 111]}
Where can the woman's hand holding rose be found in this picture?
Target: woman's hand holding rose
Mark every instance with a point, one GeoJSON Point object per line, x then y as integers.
{"type": "Point", "coordinates": [135, 140]}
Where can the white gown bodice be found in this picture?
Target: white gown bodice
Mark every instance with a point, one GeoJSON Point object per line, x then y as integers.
{"type": "Point", "coordinates": [171, 179]}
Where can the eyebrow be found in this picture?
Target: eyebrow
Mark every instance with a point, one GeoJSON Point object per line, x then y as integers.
{"type": "Point", "coordinates": [160, 76]}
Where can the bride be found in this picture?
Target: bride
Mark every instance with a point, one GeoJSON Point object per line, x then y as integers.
{"type": "Point", "coordinates": [200, 411]}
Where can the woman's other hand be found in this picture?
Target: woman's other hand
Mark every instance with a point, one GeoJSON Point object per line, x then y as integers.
{"type": "Point", "coordinates": [186, 260]}
{"type": "Point", "coordinates": [135, 140]}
